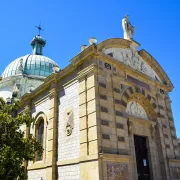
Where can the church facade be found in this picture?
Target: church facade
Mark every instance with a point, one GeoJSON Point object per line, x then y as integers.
{"type": "Point", "coordinates": [106, 116]}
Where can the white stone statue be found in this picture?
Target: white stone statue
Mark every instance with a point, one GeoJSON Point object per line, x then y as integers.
{"type": "Point", "coordinates": [69, 123]}
{"type": "Point", "coordinates": [128, 28]}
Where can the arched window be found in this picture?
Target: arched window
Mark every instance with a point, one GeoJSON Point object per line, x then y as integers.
{"type": "Point", "coordinates": [40, 136]}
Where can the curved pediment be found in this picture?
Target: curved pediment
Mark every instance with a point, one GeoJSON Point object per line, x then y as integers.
{"type": "Point", "coordinates": [157, 67]}
{"type": "Point", "coordinates": [126, 52]}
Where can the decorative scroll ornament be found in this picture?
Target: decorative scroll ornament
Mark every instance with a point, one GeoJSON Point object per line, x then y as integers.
{"type": "Point", "coordinates": [69, 123]}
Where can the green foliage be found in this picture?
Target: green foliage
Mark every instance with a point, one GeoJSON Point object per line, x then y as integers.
{"type": "Point", "coordinates": [15, 148]}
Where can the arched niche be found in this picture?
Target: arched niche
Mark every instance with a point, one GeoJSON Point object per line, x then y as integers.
{"type": "Point", "coordinates": [143, 98]}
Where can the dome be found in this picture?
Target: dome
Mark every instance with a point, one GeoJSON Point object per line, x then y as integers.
{"type": "Point", "coordinates": [32, 64]}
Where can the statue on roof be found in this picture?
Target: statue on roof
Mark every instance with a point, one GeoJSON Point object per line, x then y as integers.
{"type": "Point", "coordinates": [128, 28]}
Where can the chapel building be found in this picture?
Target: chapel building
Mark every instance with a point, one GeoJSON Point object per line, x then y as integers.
{"type": "Point", "coordinates": [106, 116]}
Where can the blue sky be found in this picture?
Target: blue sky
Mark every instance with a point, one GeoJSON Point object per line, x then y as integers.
{"type": "Point", "coordinates": [68, 24]}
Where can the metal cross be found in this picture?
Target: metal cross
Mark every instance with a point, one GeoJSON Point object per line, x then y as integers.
{"type": "Point", "coordinates": [39, 29]}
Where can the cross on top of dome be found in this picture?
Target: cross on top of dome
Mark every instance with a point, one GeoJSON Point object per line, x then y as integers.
{"type": "Point", "coordinates": [39, 29]}
{"type": "Point", "coordinates": [38, 43]}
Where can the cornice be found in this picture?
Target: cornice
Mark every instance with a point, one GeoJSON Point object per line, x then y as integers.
{"type": "Point", "coordinates": [157, 68]}
{"type": "Point", "coordinates": [96, 50]}
{"type": "Point", "coordinates": [84, 54]}
{"type": "Point", "coordinates": [174, 161]}
{"type": "Point", "coordinates": [54, 78]}
{"type": "Point", "coordinates": [123, 43]}
{"type": "Point", "coordinates": [136, 120]}
{"type": "Point", "coordinates": [87, 71]}
{"type": "Point", "coordinates": [130, 71]}
{"type": "Point", "coordinates": [114, 42]}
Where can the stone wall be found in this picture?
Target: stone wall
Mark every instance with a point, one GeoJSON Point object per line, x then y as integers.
{"type": "Point", "coordinates": [68, 172]}
{"type": "Point", "coordinates": [68, 146]}
{"type": "Point", "coordinates": [37, 174]}
{"type": "Point", "coordinates": [43, 106]}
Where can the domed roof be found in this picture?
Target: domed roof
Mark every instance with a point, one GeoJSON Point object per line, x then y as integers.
{"type": "Point", "coordinates": [31, 64]}
{"type": "Point", "coordinates": [34, 64]}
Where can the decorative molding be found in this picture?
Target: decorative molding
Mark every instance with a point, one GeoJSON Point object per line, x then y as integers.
{"type": "Point", "coordinates": [153, 63]}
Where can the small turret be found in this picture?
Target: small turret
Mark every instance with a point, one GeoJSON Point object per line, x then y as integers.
{"type": "Point", "coordinates": [37, 44]}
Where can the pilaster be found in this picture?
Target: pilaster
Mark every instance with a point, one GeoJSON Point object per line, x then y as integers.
{"type": "Point", "coordinates": [89, 165]}
{"type": "Point", "coordinates": [51, 170]}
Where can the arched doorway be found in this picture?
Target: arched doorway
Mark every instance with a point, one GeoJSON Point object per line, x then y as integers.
{"type": "Point", "coordinates": [142, 122]}
{"type": "Point", "coordinates": [134, 109]}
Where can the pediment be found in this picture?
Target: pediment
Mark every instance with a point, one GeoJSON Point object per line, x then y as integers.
{"type": "Point", "coordinates": [126, 52]}
{"type": "Point", "coordinates": [134, 60]}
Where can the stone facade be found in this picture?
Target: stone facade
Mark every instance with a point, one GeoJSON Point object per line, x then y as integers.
{"type": "Point", "coordinates": [94, 108]}
{"type": "Point", "coordinates": [68, 146]}
{"type": "Point", "coordinates": [37, 174]}
{"type": "Point", "coordinates": [68, 172]}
